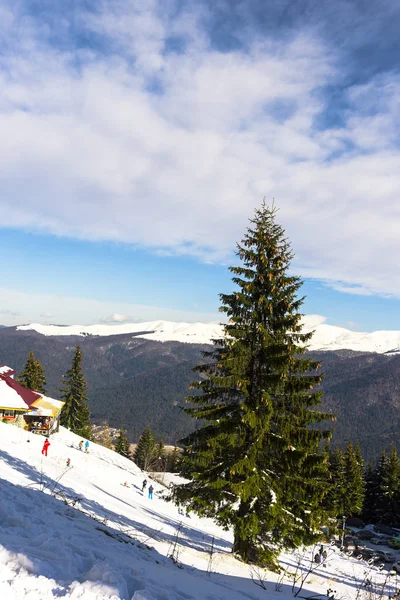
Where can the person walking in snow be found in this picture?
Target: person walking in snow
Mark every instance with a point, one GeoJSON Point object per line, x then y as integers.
{"type": "Point", "coordinates": [80, 445]}
{"type": "Point", "coordinates": [144, 485]}
{"type": "Point", "coordinates": [45, 446]}
{"type": "Point", "coordinates": [68, 462]}
{"type": "Point", "coordinates": [151, 490]}
{"type": "Point", "coordinates": [87, 447]}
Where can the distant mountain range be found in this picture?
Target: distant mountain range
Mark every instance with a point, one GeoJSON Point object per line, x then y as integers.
{"type": "Point", "coordinates": [326, 337]}
{"type": "Point", "coordinates": [135, 380]}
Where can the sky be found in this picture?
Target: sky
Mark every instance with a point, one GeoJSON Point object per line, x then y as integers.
{"type": "Point", "coordinates": [137, 138]}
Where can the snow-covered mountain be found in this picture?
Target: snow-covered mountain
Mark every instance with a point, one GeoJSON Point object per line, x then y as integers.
{"type": "Point", "coordinates": [79, 533]}
{"type": "Point", "coordinates": [326, 337]}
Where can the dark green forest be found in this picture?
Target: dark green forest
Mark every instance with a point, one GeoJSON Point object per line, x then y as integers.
{"type": "Point", "coordinates": [133, 382]}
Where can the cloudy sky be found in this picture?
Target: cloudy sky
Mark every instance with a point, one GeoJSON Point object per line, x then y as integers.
{"type": "Point", "coordinates": [136, 138]}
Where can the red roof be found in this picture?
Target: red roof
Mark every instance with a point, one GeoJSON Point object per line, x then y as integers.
{"type": "Point", "coordinates": [28, 396]}
{"type": "Point", "coordinates": [6, 371]}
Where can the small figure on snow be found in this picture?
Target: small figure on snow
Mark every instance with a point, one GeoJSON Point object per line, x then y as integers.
{"type": "Point", "coordinates": [68, 462]}
{"type": "Point", "coordinates": [125, 484]}
{"type": "Point", "coordinates": [151, 490]}
{"type": "Point", "coordinates": [80, 445]}
{"type": "Point", "coordinates": [87, 447]}
{"type": "Point", "coordinates": [144, 485]}
{"type": "Point", "coordinates": [45, 447]}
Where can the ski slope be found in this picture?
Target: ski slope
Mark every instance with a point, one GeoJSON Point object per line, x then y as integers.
{"type": "Point", "coordinates": [115, 542]}
{"type": "Point", "coordinates": [326, 337]}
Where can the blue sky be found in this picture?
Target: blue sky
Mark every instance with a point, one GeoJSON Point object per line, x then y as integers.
{"type": "Point", "coordinates": [137, 138]}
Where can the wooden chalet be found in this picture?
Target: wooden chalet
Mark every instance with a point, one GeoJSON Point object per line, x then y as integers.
{"type": "Point", "coordinates": [25, 408]}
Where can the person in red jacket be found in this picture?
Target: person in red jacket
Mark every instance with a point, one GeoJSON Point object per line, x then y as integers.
{"type": "Point", "coordinates": [45, 447]}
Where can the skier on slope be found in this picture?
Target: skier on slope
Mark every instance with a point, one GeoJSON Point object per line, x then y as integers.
{"type": "Point", "coordinates": [151, 490]}
{"type": "Point", "coordinates": [45, 447]}
{"type": "Point", "coordinates": [87, 447]}
{"type": "Point", "coordinates": [144, 485]}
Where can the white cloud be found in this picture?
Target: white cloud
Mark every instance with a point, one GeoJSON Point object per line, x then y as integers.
{"type": "Point", "coordinates": [173, 150]}
{"type": "Point", "coordinates": [22, 308]}
{"type": "Point", "coordinates": [117, 318]}
{"type": "Point", "coordinates": [312, 321]}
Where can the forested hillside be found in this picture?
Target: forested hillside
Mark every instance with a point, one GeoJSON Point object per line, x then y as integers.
{"type": "Point", "coordinates": [135, 382]}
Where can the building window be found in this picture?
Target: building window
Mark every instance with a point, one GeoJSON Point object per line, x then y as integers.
{"type": "Point", "coordinates": [8, 413]}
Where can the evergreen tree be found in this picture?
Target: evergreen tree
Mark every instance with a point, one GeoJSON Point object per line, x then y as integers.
{"type": "Point", "coordinates": [75, 414]}
{"type": "Point", "coordinates": [358, 492]}
{"type": "Point", "coordinates": [347, 489]}
{"type": "Point", "coordinates": [173, 460]}
{"type": "Point", "coordinates": [337, 488]}
{"type": "Point", "coordinates": [161, 459]}
{"type": "Point", "coordinates": [257, 464]}
{"type": "Point", "coordinates": [353, 499]}
{"type": "Point", "coordinates": [371, 498]}
{"type": "Point", "coordinates": [122, 444]}
{"type": "Point", "coordinates": [390, 490]}
{"type": "Point", "coordinates": [380, 474]}
{"type": "Point", "coordinates": [33, 377]}
{"type": "Point", "coordinates": [146, 453]}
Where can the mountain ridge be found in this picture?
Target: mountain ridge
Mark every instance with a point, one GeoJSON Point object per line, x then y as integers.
{"type": "Point", "coordinates": [325, 338]}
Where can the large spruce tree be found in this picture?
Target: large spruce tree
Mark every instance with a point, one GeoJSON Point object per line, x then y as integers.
{"type": "Point", "coordinates": [75, 414]}
{"type": "Point", "coordinates": [33, 377]}
{"type": "Point", "coordinates": [256, 463]}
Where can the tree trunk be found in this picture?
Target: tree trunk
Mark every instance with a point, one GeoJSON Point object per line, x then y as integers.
{"type": "Point", "coordinates": [243, 542]}
{"type": "Point", "coordinates": [242, 547]}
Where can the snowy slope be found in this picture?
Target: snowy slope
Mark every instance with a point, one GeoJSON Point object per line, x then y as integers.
{"type": "Point", "coordinates": [163, 331]}
{"type": "Point", "coordinates": [115, 543]}
{"type": "Point", "coordinates": [326, 337]}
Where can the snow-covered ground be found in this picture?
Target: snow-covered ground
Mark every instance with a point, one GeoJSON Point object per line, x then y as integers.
{"type": "Point", "coordinates": [326, 337]}
{"type": "Point", "coordinates": [116, 542]}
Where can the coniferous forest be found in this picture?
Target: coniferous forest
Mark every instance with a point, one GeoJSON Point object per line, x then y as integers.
{"type": "Point", "coordinates": [134, 382]}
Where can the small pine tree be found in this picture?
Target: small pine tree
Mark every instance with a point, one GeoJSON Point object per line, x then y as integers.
{"type": "Point", "coordinates": [146, 451]}
{"type": "Point", "coordinates": [347, 490]}
{"type": "Point", "coordinates": [75, 414]}
{"type": "Point", "coordinates": [337, 487]}
{"type": "Point", "coordinates": [372, 494]}
{"type": "Point", "coordinates": [358, 493]}
{"type": "Point", "coordinates": [122, 444]}
{"type": "Point", "coordinates": [257, 463]}
{"type": "Point", "coordinates": [380, 475]}
{"type": "Point", "coordinates": [161, 460]}
{"type": "Point", "coordinates": [390, 490]}
{"type": "Point", "coordinates": [172, 465]}
{"type": "Point", "coordinates": [33, 377]}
